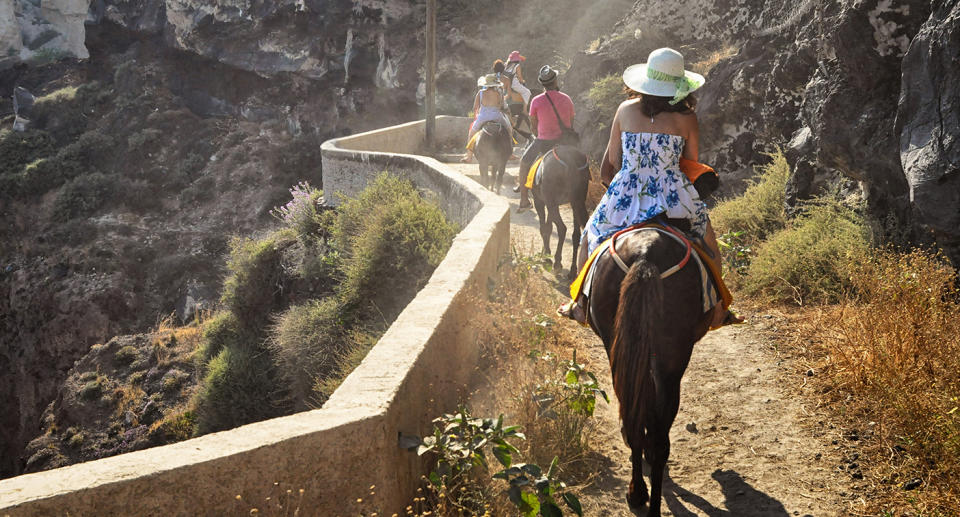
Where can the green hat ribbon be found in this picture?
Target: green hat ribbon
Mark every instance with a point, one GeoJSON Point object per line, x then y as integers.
{"type": "Point", "coordinates": [683, 83]}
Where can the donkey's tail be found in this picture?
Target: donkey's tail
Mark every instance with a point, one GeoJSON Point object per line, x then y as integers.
{"type": "Point", "coordinates": [639, 310]}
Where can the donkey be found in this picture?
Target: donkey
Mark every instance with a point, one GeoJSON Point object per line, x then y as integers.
{"type": "Point", "coordinates": [494, 147]}
{"type": "Point", "coordinates": [648, 326]}
{"type": "Point", "coordinates": [564, 180]}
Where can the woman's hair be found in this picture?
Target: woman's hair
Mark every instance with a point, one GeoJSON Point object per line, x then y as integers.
{"type": "Point", "coordinates": [498, 66]}
{"type": "Point", "coordinates": [651, 105]}
{"type": "Point", "coordinates": [552, 85]}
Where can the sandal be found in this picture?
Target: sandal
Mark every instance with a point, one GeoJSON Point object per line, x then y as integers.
{"type": "Point", "coordinates": [573, 311]}
{"type": "Point", "coordinates": [730, 318]}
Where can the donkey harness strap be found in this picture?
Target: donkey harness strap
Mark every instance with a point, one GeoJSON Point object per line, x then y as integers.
{"type": "Point", "coordinates": [557, 156]}
{"type": "Point", "coordinates": [676, 235]}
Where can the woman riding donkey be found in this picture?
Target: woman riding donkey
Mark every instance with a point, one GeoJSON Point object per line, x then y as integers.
{"type": "Point", "coordinates": [518, 95]}
{"type": "Point", "coordinates": [488, 105]}
{"type": "Point", "coordinates": [652, 131]}
{"type": "Point", "coordinates": [551, 115]}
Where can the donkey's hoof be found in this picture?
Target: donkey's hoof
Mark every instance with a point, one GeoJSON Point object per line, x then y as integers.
{"type": "Point", "coordinates": [637, 503]}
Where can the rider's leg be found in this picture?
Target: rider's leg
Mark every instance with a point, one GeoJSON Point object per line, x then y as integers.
{"type": "Point", "coordinates": [720, 316]}
{"type": "Point", "coordinates": [533, 152]}
{"type": "Point", "coordinates": [468, 155]}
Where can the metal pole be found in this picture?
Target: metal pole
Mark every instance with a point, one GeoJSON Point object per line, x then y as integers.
{"type": "Point", "coordinates": [430, 68]}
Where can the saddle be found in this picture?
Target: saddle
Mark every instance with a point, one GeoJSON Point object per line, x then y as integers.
{"type": "Point", "coordinates": [535, 174]}
{"type": "Point", "coordinates": [713, 290]}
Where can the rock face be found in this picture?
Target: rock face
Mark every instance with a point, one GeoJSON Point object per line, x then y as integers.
{"type": "Point", "coordinates": [42, 30]}
{"type": "Point", "coordinates": [848, 89]}
{"type": "Point", "coordinates": [928, 125]}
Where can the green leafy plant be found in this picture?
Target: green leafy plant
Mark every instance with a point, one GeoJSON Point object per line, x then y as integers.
{"type": "Point", "coordinates": [461, 443]}
{"type": "Point", "coordinates": [535, 492]}
{"type": "Point", "coordinates": [459, 440]}
{"type": "Point", "coordinates": [735, 251]}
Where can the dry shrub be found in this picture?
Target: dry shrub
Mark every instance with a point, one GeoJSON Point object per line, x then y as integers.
{"type": "Point", "coordinates": [811, 260]}
{"type": "Point", "coordinates": [522, 343]}
{"type": "Point", "coordinates": [758, 212]}
{"type": "Point", "coordinates": [894, 359]}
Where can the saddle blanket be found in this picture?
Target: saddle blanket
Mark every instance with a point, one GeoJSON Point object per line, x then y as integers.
{"type": "Point", "coordinates": [709, 297]}
{"type": "Point", "coordinates": [473, 140]}
{"type": "Point", "coordinates": [535, 174]}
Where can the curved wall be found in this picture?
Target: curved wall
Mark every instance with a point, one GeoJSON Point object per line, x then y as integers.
{"type": "Point", "coordinates": [417, 370]}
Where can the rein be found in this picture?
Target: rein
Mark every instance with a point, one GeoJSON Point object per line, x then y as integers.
{"type": "Point", "coordinates": [676, 235]}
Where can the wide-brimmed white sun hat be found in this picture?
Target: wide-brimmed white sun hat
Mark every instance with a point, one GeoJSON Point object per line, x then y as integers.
{"type": "Point", "coordinates": [663, 75]}
{"type": "Point", "coordinates": [488, 81]}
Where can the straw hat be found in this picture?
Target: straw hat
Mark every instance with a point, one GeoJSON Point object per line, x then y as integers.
{"type": "Point", "coordinates": [515, 56]}
{"type": "Point", "coordinates": [663, 75]}
{"type": "Point", "coordinates": [488, 81]}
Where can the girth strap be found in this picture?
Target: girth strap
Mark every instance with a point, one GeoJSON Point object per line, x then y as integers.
{"type": "Point", "coordinates": [666, 230]}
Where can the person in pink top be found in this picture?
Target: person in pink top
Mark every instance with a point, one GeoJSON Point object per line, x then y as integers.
{"type": "Point", "coordinates": [548, 111]}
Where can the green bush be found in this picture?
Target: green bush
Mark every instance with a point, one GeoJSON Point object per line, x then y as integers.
{"type": "Point", "coordinates": [253, 288]}
{"type": "Point", "coordinates": [126, 355]}
{"type": "Point", "coordinates": [758, 212]}
{"type": "Point", "coordinates": [389, 232]}
{"type": "Point", "coordinates": [606, 94]}
{"type": "Point", "coordinates": [93, 388]}
{"type": "Point", "coordinates": [219, 332]}
{"type": "Point", "coordinates": [813, 260]}
{"type": "Point", "coordinates": [72, 161]}
{"type": "Point", "coordinates": [82, 196]}
{"type": "Point", "coordinates": [17, 149]}
{"type": "Point", "coordinates": [309, 342]}
{"type": "Point", "coordinates": [236, 390]}
{"type": "Point", "coordinates": [65, 112]}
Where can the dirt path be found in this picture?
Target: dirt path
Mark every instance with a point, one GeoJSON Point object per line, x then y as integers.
{"type": "Point", "coordinates": [743, 444]}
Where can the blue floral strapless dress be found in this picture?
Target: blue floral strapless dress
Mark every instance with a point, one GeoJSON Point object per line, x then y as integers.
{"type": "Point", "coordinates": [648, 184]}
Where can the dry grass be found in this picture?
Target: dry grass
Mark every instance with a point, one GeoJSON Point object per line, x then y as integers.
{"type": "Point", "coordinates": [522, 343]}
{"type": "Point", "coordinates": [170, 340]}
{"type": "Point", "coordinates": [704, 66]}
{"type": "Point", "coordinates": [891, 364]}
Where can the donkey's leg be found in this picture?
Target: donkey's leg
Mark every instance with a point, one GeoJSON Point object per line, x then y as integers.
{"type": "Point", "coordinates": [545, 228]}
{"type": "Point", "coordinates": [483, 170]}
{"type": "Point", "coordinates": [637, 496]}
{"type": "Point", "coordinates": [579, 222]}
{"type": "Point", "coordinates": [554, 215]}
{"type": "Point", "coordinates": [500, 170]}
{"type": "Point", "coordinates": [660, 419]}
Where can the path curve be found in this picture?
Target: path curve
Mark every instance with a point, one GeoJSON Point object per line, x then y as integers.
{"type": "Point", "coordinates": [743, 445]}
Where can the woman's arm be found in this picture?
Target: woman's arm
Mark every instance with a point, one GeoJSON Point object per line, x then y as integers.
{"type": "Point", "coordinates": [691, 150]}
{"type": "Point", "coordinates": [614, 146]}
{"type": "Point", "coordinates": [519, 72]}
{"type": "Point", "coordinates": [476, 102]}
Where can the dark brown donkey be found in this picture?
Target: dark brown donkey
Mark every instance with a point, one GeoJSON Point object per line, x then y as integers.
{"type": "Point", "coordinates": [494, 147]}
{"type": "Point", "coordinates": [564, 180]}
{"type": "Point", "coordinates": [648, 325]}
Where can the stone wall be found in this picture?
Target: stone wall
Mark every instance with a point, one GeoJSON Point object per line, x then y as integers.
{"type": "Point", "coordinates": [418, 369]}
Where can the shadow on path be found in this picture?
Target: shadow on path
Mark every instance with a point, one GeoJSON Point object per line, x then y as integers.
{"type": "Point", "coordinates": [740, 499]}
